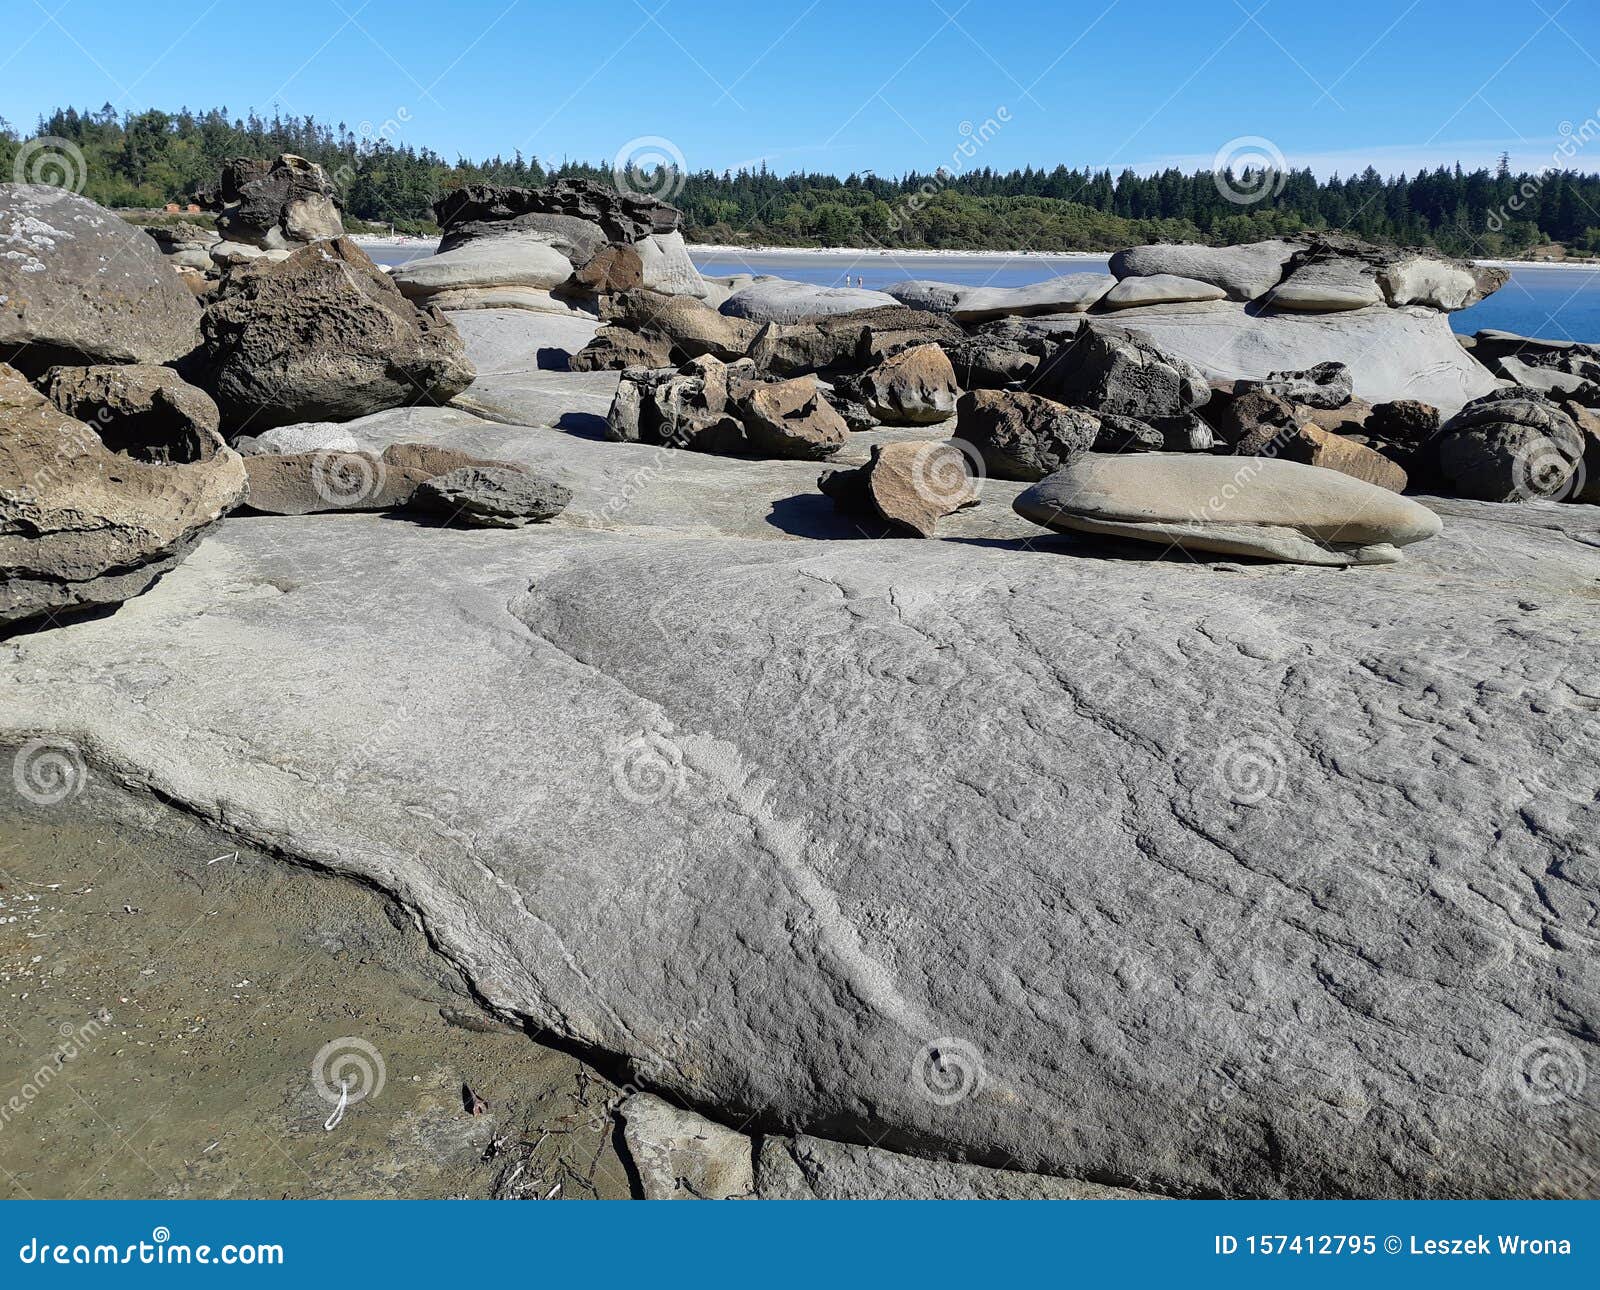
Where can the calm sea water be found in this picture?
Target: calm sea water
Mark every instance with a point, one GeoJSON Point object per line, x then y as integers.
{"type": "Point", "coordinates": [1558, 303]}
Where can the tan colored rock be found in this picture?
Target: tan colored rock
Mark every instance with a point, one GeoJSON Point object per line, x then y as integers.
{"type": "Point", "coordinates": [693, 328]}
{"type": "Point", "coordinates": [81, 525]}
{"type": "Point", "coordinates": [612, 268]}
{"type": "Point", "coordinates": [909, 486]}
{"type": "Point", "coordinates": [146, 412]}
{"type": "Point", "coordinates": [336, 479]}
{"type": "Point", "coordinates": [1332, 451]}
{"type": "Point", "coordinates": [791, 419]}
{"type": "Point", "coordinates": [917, 386]}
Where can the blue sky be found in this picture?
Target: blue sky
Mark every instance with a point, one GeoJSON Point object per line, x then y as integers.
{"type": "Point", "coordinates": [843, 85]}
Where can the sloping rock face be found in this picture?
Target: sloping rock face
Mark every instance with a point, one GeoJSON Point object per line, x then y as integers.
{"type": "Point", "coordinates": [78, 286]}
{"type": "Point", "coordinates": [275, 205]}
{"type": "Point", "coordinates": [1053, 894]}
{"type": "Point", "coordinates": [1407, 353]}
{"type": "Point", "coordinates": [83, 526]}
{"type": "Point", "coordinates": [324, 336]}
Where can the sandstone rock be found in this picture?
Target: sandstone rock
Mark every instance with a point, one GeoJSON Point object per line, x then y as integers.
{"type": "Point", "coordinates": [828, 1170]}
{"type": "Point", "coordinates": [82, 525]}
{"type": "Point", "coordinates": [679, 1155]}
{"type": "Point", "coordinates": [908, 486]}
{"type": "Point", "coordinates": [693, 328]}
{"type": "Point", "coordinates": [933, 297]}
{"type": "Point", "coordinates": [79, 286]}
{"type": "Point", "coordinates": [1147, 835]}
{"type": "Point", "coordinates": [782, 301]}
{"type": "Point", "coordinates": [1513, 445]}
{"type": "Point", "coordinates": [915, 386]}
{"type": "Point", "coordinates": [1403, 421]}
{"type": "Point", "coordinates": [621, 217]}
{"type": "Point", "coordinates": [324, 336]}
{"type": "Point", "coordinates": [791, 419]}
{"type": "Point", "coordinates": [611, 269]}
{"type": "Point", "coordinates": [1403, 277]}
{"type": "Point", "coordinates": [186, 245]}
{"type": "Point", "coordinates": [306, 483]}
{"type": "Point", "coordinates": [1327, 285]}
{"type": "Point", "coordinates": [1327, 385]}
{"type": "Point", "coordinates": [1243, 272]}
{"type": "Point", "coordinates": [517, 260]}
{"type": "Point", "coordinates": [1158, 289]}
{"type": "Point", "coordinates": [275, 205]}
{"type": "Point", "coordinates": [617, 348]}
{"type": "Point", "coordinates": [1108, 369]}
{"type": "Point", "coordinates": [1405, 353]}
{"type": "Point", "coordinates": [982, 363]}
{"type": "Point", "coordinates": [666, 267]}
{"type": "Point", "coordinates": [1585, 485]}
{"type": "Point", "coordinates": [492, 497]}
{"type": "Point", "coordinates": [1023, 436]}
{"type": "Point", "coordinates": [1253, 418]}
{"type": "Point", "coordinates": [1276, 510]}
{"type": "Point", "coordinates": [842, 341]}
{"type": "Point", "coordinates": [149, 413]}
{"type": "Point", "coordinates": [1167, 434]}
{"type": "Point", "coordinates": [1551, 380]}
{"type": "Point", "coordinates": [1068, 293]}
{"type": "Point", "coordinates": [1311, 445]}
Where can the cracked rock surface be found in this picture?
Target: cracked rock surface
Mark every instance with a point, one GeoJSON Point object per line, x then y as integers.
{"type": "Point", "coordinates": [1029, 852]}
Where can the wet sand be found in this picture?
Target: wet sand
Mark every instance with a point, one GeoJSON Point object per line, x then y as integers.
{"type": "Point", "coordinates": [166, 996]}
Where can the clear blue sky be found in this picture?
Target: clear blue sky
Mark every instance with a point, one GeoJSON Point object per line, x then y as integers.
{"type": "Point", "coordinates": [843, 85]}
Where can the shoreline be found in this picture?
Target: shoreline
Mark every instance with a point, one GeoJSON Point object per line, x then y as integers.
{"type": "Point", "coordinates": [861, 252]}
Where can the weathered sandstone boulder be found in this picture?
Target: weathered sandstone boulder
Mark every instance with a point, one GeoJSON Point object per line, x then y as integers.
{"type": "Point", "coordinates": [1243, 272]}
{"type": "Point", "coordinates": [692, 327]}
{"type": "Point", "coordinates": [324, 336]}
{"type": "Point", "coordinates": [915, 386]}
{"type": "Point", "coordinates": [274, 205]}
{"type": "Point", "coordinates": [1158, 289]}
{"type": "Point", "coordinates": [779, 300]}
{"type": "Point", "coordinates": [78, 285]}
{"type": "Point", "coordinates": [82, 525]}
{"type": "Point", "coordinates": [1065, 294]}
{"type": "Point", "coordinates": [1110, 369]}
{"type": "Point", "coordinates": [1327, 385]}
{"type": "Point", "coordinates": [491, 497]}
{"type": "Point", "coordinates": [1023, 436]}
{"type": "Point", "coordinates": [908, 486]}
{"type": "Point", "coordinates": [1275, 510]}
{"type": "Point", "coordinates": [145, 412]}
{"type": "Point", "coordinates": [1513, 445]}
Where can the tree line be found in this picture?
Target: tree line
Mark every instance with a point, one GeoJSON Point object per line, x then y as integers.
{"type": "Point", "coordinates": [147, 159]}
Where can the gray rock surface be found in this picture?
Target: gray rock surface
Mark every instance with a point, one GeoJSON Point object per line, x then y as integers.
{"type": "Point", "coordinates": [679, 1155]}
{"type": "Point", "coordinates": [1244, 272]}
{"type": "Point", "coordinates": [1241, 882]}
{"type": "Point", "coordinates": [491, 497]}
{"type": "Point", "coordinates": [1158, 289]}
{"type": "Point", "coordinates": [783, 301]}
{"type": "Point", "coordinates": [1391, 353]}
{"type": "Point", "coordinates": [80, 286]}
{"type": "Point", "coordinates": [1067, 293]}
{"type": "Point", "coordinates": [1023, 436]}
{"type": "Point", "coordinates": [513, 259]}
{"type": "Point", "coordinates": [817, 1168]}
{"type": "Point", "coordinates": [1512, 445]}
{"type": "Point", "coordinates": [1327, 286]}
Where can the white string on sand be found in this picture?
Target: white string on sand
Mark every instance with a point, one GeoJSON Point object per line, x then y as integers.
{"type": "Point", "coordinates": [332, 1121]}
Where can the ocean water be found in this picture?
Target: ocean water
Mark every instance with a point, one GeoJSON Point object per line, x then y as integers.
{"type": "Point", "coordinates": [1554, 302]}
